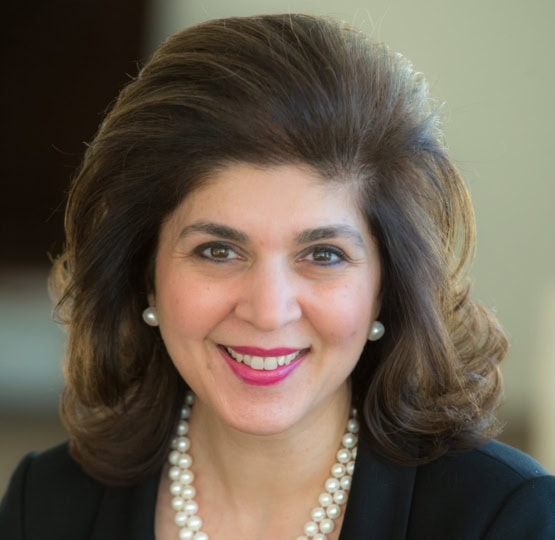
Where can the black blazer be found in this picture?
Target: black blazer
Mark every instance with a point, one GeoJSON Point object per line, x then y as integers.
{"type": "Point", "coordinates": [494, 492]}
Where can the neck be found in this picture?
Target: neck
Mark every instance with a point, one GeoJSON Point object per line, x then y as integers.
{"type": "Point", "coordinates": [250, 468]}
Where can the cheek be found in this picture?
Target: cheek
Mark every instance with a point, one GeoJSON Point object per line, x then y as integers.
{"type": "Point", "coordinates": [346, 317]}
{"type": "Point", "coordinates": [188, 308]}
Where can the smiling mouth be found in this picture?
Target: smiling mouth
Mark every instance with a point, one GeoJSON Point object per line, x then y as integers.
{"type": "Point", "coordinates": [266, 363]}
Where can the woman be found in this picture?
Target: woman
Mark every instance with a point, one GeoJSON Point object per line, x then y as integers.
{"type": "Point", "coordinates": [270, 331]}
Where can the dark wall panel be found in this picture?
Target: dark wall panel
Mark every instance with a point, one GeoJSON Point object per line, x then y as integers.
{"type": "Point", "coordinates": [62, 63]}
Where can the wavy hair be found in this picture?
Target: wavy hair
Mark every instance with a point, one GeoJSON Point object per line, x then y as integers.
{"type": "Point", "coordinates": [270, 90]}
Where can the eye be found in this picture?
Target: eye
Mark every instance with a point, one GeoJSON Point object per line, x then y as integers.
{"type": "Point", "coordinates": [216, 252]}
{"type": "Point", "coordinates": [325, 255]}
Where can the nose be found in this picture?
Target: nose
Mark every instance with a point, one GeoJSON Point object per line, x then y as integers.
{"type": "Point", "coordinates": [269, 298]}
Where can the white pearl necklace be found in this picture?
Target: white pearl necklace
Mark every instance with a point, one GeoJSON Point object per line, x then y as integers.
{"type": "Point", "coordinates": [323, 516]}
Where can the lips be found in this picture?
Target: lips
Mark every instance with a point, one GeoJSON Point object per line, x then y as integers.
{"type": "Point", "coordinates": [257, 374]}
{"type": "Point", "coordinates": [264, 360]}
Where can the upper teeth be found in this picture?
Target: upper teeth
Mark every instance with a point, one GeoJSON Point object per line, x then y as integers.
{"type": "Point", "coordinates": [263, 362]}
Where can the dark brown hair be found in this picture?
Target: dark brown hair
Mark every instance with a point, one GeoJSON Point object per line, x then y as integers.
{"type": "Point", "coordinates": [279, 89]}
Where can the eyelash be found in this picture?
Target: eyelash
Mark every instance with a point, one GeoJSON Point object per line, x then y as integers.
{"type": "Point", "coordinates": [203, 251]}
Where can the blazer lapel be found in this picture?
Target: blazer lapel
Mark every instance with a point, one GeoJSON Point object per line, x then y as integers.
{"type": "Point", "coordinates": [127, 512]}
{"type": "Point", "coordinates": [380, 499]}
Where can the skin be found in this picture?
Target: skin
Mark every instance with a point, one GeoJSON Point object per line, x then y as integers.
{"type": "Point", "coordinates": [270, 257]}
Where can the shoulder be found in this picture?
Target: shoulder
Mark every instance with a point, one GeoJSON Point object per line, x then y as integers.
{"type": "Point", "coordinates": [494, 461]}
{"type": "Point", "coordinates": [50, 496]}
{"type": "Point", "coordinates": [49, 487]}
{"type": "Point", "coordinates": [502, 492]}
{"type": "Point", "coordinates": [56, 471]}
{"type": "Point", "coordinates": [53, 463]}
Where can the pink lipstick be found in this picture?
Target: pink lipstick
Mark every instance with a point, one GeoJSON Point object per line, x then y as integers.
{"type": "Point", "coordinates": [263, 377]}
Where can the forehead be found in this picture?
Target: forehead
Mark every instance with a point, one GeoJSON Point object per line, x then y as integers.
{"type": "Point", "coordinates": [242, 190]}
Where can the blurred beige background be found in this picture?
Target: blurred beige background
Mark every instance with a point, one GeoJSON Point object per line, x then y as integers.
{"type": "Point", "coordinates": [491, 61]}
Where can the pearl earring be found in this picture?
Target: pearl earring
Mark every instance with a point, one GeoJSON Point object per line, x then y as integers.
{"type": "Point", "coordinates": [150, 317]}
{"type": "Point", "coordinates": [376, 331]}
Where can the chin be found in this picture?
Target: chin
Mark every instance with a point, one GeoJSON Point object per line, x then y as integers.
{"type": "Point", "coordinates": [266, 423]}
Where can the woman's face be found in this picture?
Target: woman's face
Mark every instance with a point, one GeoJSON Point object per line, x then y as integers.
{"type": "Point", "coordinates": [266, 285]}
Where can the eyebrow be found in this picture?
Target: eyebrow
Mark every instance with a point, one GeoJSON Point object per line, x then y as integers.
{"type": "Point", "coordinates": [304, 237]}
{"type": "Point", "coordinates": [329, 232]}
{"type": "Point", "coordinates": [215, 229]}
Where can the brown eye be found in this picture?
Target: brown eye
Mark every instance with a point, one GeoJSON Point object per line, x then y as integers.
{"type": "Point", "coordinates": [216, 252]}
{"type": "Point", "coordinates": [323, 255]}
{"type": "Point", "coordinates": [219, 252]}
{"type": "Point", "coordinates": [326, 255]}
